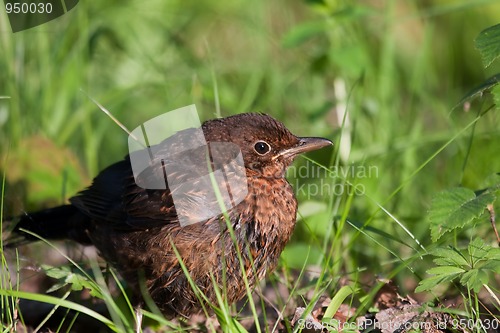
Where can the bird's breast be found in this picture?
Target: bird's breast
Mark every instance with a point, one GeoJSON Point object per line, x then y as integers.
{"type": "Point", "coordinates": [274, 210]}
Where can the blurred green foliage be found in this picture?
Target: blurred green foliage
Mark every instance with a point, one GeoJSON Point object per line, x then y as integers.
{"type": "Point", "coordinates": [399, 67]}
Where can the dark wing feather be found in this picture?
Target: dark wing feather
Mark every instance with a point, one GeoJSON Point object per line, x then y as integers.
{"type": "Point", "coordinates": [115, 198]}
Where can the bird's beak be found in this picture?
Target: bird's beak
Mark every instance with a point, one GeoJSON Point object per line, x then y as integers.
{"type": "Point", "coordinates": [305, 145]}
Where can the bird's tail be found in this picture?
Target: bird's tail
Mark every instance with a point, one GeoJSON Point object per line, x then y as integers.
{"type": "Point", "coordinates": [62, 222]}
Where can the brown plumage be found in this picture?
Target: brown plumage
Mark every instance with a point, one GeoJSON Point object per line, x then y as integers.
{"type": "Point", "coordinates": [134, 228]}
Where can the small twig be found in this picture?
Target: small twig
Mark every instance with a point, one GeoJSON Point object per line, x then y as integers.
{"type": "Point", "coordinates": [271, 304]}
{"type": "Point", "coordinates": [492, 220]}
{"type": "Point", "coordinates": [492, 294]}
{"type": "Point", "coordinates": [138, 319]}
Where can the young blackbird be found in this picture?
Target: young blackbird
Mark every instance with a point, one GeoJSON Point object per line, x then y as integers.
{"type": "Point", "coordinates": [135, 229]}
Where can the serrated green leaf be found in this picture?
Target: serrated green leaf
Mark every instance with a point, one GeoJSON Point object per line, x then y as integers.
{"type": "Point", "coordinates": [482, 278]}
{"type": "Point", "coordinates": [429, 283]}
{"type": "Point", "coordinates": [78, 282]}
{"type": "Point", "coordinates": [441, 274]}
{"type": "Point", "coordinates": [478, 250]}
{"type": "Point", "coordinates": [490, 84]}
{"type": "Point", "coordinates": [445, 270]}
{"type": "Point", "coordinates": [454, 208]}
{"type": "Point", "coordinates": [488, 44]}
{"type": "Point", "coordinates": [75, 280]}
{"type": "Point", "coordinates": [56, 272]}
{"type": "Point", "coordinates": [474, 279]}
{"type": "Point", "coordinates": [465, 279]}
{"type": "Point", "coordinates": [444, 273]}
{"type": "Point", "coordinates": [492, 265]}
{"type": "Point", "coordinates": [442, 261]}
{"type": "Point", "coordinates": [449, 257]}
{"type": "Point", "coordinates": [493, 254]}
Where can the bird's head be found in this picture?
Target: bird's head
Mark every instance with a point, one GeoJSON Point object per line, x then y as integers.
{"type": "Point", "coordinates": [267, 146]}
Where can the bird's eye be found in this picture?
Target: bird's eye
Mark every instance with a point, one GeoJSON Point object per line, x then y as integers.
{"type": "Point", "coordinates": [262, 147]}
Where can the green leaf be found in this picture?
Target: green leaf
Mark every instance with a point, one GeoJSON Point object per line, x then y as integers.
{"type": "Point", "coordinates": [472, 268]}
{"type": "Point", "coordinates": [493, 254]}
{"type": "Point", "coordinates": [492, 265]}
{"type": "Point", "coordinates": [449, 257]}
{"type": "Point", "coordinates": [490, 84]}
{"type": "Point", "coordinates": [75, 280]}
{"type": "Point", "coordinates": [431, 282]}
{"type": "Point", "coordinates": [488, 44]}
{"type": "Point", "coordinates": [478, 250]}
{"type": "Point", "coordinates": [474, 279]}
{"type": "Point", "coordinates": [78, 282]}
{"type": "Point", "coordinates": [56, 272]}
{"type": "Point", "coordinates": [441, 274]}
{"type": "Point", "coordinates": [427, 284]}
{"type": "Point", "coordinates": [454, 208]}
{"type": "Point", "coordinates": [445, 270]}
{"type": "Point", "coordinates": [484, 257]}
